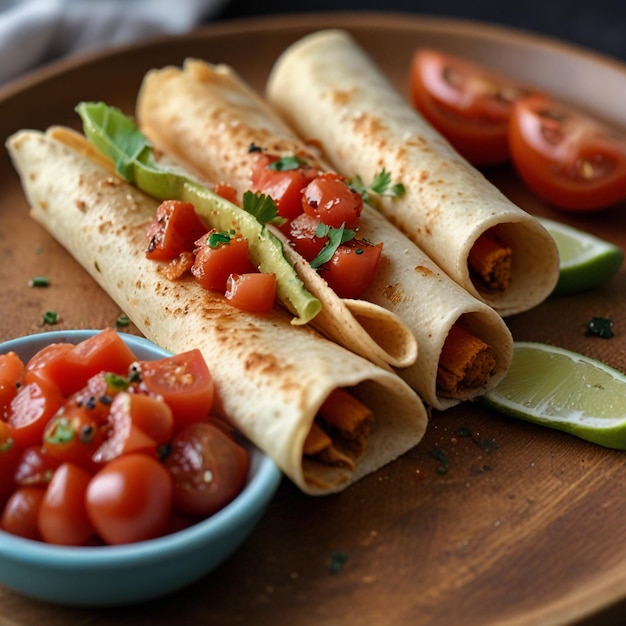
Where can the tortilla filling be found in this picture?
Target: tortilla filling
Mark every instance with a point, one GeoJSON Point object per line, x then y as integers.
{"type": "Point", "coordinates": [340, 431]}
{"type": "Point", "coordinates": [466, 362]}
{"type": "Point", "coordinates": [490, 259]}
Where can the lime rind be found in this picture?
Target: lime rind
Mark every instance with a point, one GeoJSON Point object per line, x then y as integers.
{"type": "Point", "coordinates": [586, 261]}
{"type": "Point", "coordinates": [566, 391]}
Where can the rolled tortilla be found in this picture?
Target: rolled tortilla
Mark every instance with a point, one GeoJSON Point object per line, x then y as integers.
{"type": "Point", "coordinates": [272, 378]}
{"type": "Point", "coordinates": [206, 118]}
{"type": "Point", "coordinates": [332, 92]}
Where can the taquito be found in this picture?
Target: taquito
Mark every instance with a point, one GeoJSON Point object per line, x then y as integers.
{"type": "Point", "coordinates": [325, 415]}
{"type": "Point", "coordinates": [331, 91]}
{"type": "Point", "coordinates": [206, 117]}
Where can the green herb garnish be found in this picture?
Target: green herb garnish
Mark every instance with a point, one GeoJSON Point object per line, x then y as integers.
{"type": "Point", "coordinates": [380, 186]}
{"type": "Point", "coordinates": [218, 238]}
{"type": "Point", "coordinates": [122, 321]}
{"type": "Point", "coordinates": [39, 281]}
{"type": "Point", "coordinates": [262, 207]}
{"type": "Point", "coordinates": [50, 317]}
{"type": "Point", "coordinates": [336, 236]}
{"type": "Point", "coordinates": [115, 381]}
{"type": "Point", "coordinates": [61, 432]}
{"type": "Point", "coordinates": [290, 162]}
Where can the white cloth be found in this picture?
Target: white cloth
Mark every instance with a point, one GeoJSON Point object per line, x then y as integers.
{"type": "Point", "coordinates": [34, 32]}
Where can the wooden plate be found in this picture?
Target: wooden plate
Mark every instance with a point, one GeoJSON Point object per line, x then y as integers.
{"type": "Point", "coordinates": [489, 521]}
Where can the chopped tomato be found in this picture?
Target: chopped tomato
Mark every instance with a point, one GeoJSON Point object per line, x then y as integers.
{"type": "Point", "coordinates": [209, 469]}
{"type": "Point", "coordinates": [73, 435]}
{"type": "Point", "coordinates": [284, 186]}
{"type": "Point", "coordinates": [469, 104]}
{"type": "Point", "coordinates": [63, 518]}
{"type": "Point", "coordinates": [218, 255]}
{"type": "Point", "coordinates": [11, 377]}
{"type": "Point", "coordinates": [125, 435]}
{"type": "Point", "coordinates": [97, 395]}
{"type": "Point", "coordinates": [130, 499]}
{"type": "Point", "coordinates": [21, 512]}
{"type": "Point", "coordinates": [185, 384]}
{"type": "Point", "coordinates": [35, 467]}
{"type": "Point", "coordinates": [228, 192]}
{"type": "Point", "coordinates": [566, 157]}
{"type": "Point", "coordinates": [10, 454]}
{"type": "Point", "coordinates": [174, 229]}
{"type": "Point", "coordinates": [352, 267]}
{"type": "Point", "coordinates": [302, 234]}
{"type": "Point", "coordinates": [329, 199]}
{"type": "Point", "coordinates": [31, 410]}
{"type": "Point", "coordinates": [255, 292]}
{"type": "Point", "coordinates": [71, 366]}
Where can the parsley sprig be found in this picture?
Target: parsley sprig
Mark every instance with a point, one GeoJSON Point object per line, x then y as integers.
{"type": "Point", "coordinates": [336, 236]}
{"type": "Point", "coordinates": [380, 186]}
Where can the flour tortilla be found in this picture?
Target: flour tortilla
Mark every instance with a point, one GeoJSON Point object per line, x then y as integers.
{"type": "Point", "coordinates": [271, 377]}
{"type": "Point", "coordinates": [206, 117]}
{"type": "Point", "coordinates": [332, 92]}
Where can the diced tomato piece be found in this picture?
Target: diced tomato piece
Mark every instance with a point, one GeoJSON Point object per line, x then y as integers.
{"type": "Point", "coordinates": [352, 267]}
{"type": "Point", "coordinates": [284, 186]}
{"type": "Point", "coordinates": [218, 255]}
{"type": "Point", "coordinates": [185, 384]}
{"type": "Point", "coordinates": [174, 229]}
{"type": "Point", "coordinates": [228, 192]}
{"type": "Point", "coordinates": [11, 377]}
{"type": "Point", "coordinates": [63, 518]}
{"type": "Point", "coordinates": [10, 454]}
{"type": "Point", "coordinates": [31, 410]}
{"type": "Point", "coordinates": [255, 292]}
{"type": "Point", "coordinates": [302, 234]}
{"type": "Point", "coordinates": [21, 512]}
{"type": "Point", "coordinates": [329, 199]}
{"type": "Point", "coordinates": [45, 361]}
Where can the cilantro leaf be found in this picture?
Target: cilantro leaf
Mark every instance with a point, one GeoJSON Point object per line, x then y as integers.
{"type": "Point", "coordinates": [336, 236]}
{"type": "Point", "coordinates": [262, 207]}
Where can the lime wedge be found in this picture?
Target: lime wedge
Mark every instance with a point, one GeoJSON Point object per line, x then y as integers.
{"type": "Point", "coordinates": [586, 261]}
{"type": "Point", "coordinates": [564, 390]}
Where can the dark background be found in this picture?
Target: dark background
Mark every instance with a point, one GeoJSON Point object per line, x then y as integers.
{"type": "Point", "coordinates": [596, 24]}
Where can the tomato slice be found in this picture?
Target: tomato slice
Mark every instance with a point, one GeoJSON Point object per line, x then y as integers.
{"type": "Point", "coordinates": [469, 104]}
{"type": "Point", "coordinates": [329, 199]}
{"type": "Point", "coordinates": [218, 255]}
{"type": "Point", "coordinates": [11, 377]}
{"type": "Point", "coordinates": [302, 234]}
{"type": "Point", "coordinates": [254, 292]}
{"type": "Point", "coordinates": [21, 512]}
{"type": "Point", "coordinates": [62, 517]}
{"type": "Point", "coordinates": [130, 499]}
{"type": "Point", "coordinates": [185, 384]}
{"type": "Point", "coordinates": [567, 157]}
{"type": "Point", "coordinates": [352, 267]}
{"type": "Point", "coordinates": [209, 469]}
{"type": "Point", "coordinates": [174, 229]}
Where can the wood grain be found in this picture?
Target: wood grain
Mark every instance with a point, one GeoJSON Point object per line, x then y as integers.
{"type": "Point", "coordinates": [489, 521]}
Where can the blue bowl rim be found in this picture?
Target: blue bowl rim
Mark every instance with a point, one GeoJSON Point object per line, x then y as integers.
{"type": "Point", "coordinates": [255, 496]}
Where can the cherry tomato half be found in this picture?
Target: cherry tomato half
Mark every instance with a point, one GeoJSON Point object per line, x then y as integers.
{"type": "Point", "coordinates": [467, 103]}
{"type": "Point", "coordinates": [567, 157]}
{"type": "Point", "coordinates": [21, 512]}
{"type": "Point", "coordinates": [10, 454]}
{"type": "Point", "coordinates": [209, 469]}
{"type": "Point", "coordinates": [185, 384]}
{"type": "Point", "coordinates": [11, 377]}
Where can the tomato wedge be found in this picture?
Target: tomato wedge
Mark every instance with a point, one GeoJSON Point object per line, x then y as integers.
{"type": "Point", "coordinates": [470, 105]}
{"type": "Point", "coordinates": [329, 199]}
{"type": "Point", "coordinates": [567, 157]}
{"type": "Point", "coordinates": [254, 292]}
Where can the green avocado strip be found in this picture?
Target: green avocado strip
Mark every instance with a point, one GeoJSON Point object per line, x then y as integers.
{"type": "Point", "coordinates": [117, 136]}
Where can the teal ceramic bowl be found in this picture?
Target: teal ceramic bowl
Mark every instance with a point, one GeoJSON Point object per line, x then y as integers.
{"type": "Point", "coordinates": [143, 571]}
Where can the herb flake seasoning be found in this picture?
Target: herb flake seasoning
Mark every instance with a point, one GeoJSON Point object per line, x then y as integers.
{"type": "Point", "coordinates": [50, 317]}
{"type": "Point", "coordinates": [39, 281]}
{"type": "Point", "coordinates": [122, 321]}
{"type": "Point", "coordinates": [336, 561]}
{"type": "Point", "coordinates": [600, 327]}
